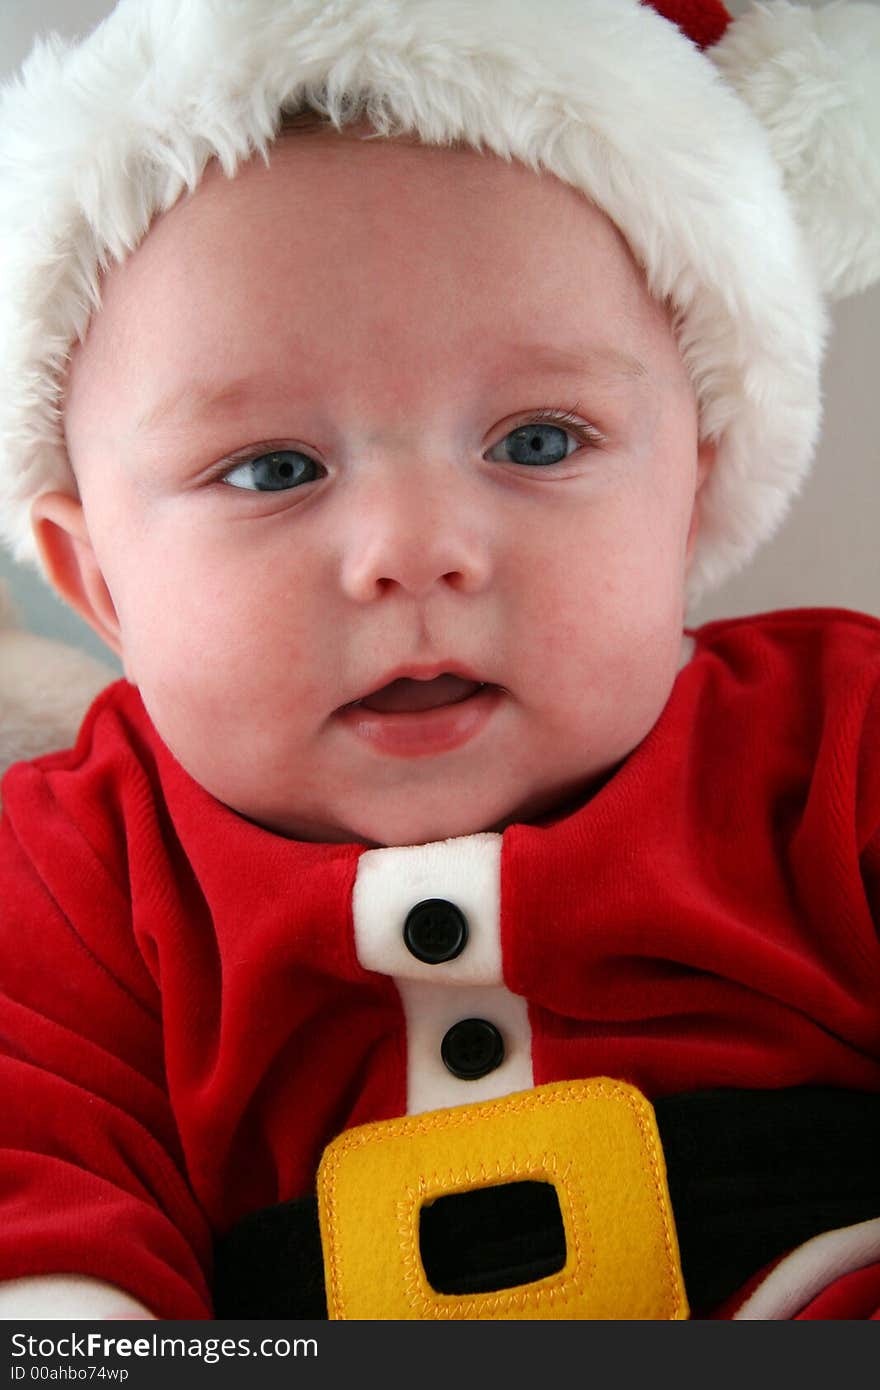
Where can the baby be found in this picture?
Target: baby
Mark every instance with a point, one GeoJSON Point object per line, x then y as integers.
{"type": "Point", "coordinates": [387, 450]}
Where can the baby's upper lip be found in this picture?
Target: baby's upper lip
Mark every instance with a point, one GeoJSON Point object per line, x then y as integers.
{"type": "Point", "coordinates": [417, 672]}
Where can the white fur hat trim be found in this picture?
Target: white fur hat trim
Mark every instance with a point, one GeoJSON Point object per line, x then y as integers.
{"type": "Point", "coordinates": [97, 138]}
{"type": "Point", "coordinates": [812, 77]}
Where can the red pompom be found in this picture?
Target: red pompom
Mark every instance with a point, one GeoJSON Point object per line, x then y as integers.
{"type": "Point", "coordinates": [703, 21]}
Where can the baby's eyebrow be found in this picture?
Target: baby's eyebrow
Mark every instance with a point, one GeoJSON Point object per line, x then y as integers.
{"type": "Point", "coordinates": [599, 360]}
{"type": "Point", "coordinates": [196, 399]}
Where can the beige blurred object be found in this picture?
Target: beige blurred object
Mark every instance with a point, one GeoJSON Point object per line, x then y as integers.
{"type": "Point", "coordinates": [45, 689]}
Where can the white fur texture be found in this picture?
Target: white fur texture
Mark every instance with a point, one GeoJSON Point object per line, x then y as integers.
{"type": "Point", "coordinates": [97, 138]}
{"type": "Point", "coordinates": [812, 77]}
{"type": "Point", "coordinates": [66, 1298]}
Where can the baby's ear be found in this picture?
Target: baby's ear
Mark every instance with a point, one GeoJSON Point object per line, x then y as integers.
{"type": "Point", "coordinates": [71, 564]}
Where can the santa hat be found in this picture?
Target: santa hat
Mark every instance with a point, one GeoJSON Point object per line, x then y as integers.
{"type": "Point", "coordinates": [739, 158]}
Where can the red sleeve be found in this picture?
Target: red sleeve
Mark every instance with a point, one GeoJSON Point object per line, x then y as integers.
{"type": "Point", "coordinates": [845, 1295]}
{"type": "Point", "coordinates": [854, 1296]}
{"type": "Point", "coordinates": [868, 804]}
{"type": "Point", "coordinates": [91, 1174]}
{"type": "Point", "coordinates": [859, 1292]}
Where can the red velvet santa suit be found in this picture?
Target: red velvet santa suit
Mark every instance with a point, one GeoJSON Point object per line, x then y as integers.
{"type": "Point", "coordinates": [192, 1007]}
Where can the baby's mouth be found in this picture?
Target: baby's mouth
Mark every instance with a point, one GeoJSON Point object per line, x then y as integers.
{"type": "Point", "coordinates": [420, 714]}
{"type": "Point", "coordinates": [408, 696]}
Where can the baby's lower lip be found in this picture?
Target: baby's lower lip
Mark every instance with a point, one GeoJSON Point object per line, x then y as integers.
{"type": "Point", "coordinates": [422, 733]}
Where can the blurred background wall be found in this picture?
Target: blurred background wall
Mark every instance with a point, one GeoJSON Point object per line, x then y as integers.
{"type": "Point", "coordinates": [828, 551]}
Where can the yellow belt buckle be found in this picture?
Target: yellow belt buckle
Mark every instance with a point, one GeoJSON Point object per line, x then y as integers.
{"type": "Point", "coordinates": [595, 1141]}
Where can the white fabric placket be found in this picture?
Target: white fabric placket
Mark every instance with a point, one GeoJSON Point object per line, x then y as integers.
{"type": "Point", "coordinates": [467, 873]}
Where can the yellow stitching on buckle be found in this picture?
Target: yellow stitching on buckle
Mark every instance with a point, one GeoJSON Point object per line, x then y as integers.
{"type": "Point", "coordinates": [554, 1288]}
{"type": "Point", "coordinates": [600, 1148]}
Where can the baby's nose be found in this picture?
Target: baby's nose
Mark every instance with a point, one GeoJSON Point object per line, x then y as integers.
{"type": "Point", "coordinates": [414, 535]}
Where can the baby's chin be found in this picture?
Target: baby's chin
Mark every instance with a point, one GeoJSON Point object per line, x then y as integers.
{"type": "Point", "coordinates": [406, 824]}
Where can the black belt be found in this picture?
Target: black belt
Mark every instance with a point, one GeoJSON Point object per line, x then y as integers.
{"type": "Point", "coordinates": [751, 1175]}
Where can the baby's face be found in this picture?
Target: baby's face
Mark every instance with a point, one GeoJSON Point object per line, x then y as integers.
{"type": "Point", "coordinates": [397, 426]}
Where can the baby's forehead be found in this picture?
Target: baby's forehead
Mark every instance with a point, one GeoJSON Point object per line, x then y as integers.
{"type": "Point", "coordinates": [373, 209]}
{"type": "Point", "coordinates": [386, 275]}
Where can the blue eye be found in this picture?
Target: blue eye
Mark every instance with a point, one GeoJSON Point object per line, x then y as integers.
{"type": "Point", "coordinates": [274, 472]}
{"type": "Point", "coordinates": [536, 444]}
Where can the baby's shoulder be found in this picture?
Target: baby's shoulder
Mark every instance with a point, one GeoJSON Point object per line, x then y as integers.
{"type": "Point", "coordinates": [789, 700]}
{"type": "Point", "coordinates": [825, 647]}
{"type": "Point", "coordinates": [85, 792]}
{"type": "Point", "coordinates": [806, 678]}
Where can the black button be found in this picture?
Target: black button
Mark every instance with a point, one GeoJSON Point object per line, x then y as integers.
{"type": "Point", "coordinates": [472, 1048]}
{"type": "Point", "coordinates": [435, 931]}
